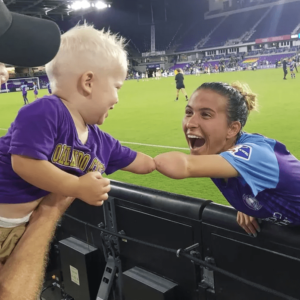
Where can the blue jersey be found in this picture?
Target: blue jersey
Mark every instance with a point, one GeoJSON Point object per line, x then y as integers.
{"type": "Point", "coordinates": [268, 185]}
{"type": "Point", "coordinates": [24, 89]}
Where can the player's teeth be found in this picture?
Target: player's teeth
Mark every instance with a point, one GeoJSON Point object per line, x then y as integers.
{"type": "Point", "coordinates": [193, 137]}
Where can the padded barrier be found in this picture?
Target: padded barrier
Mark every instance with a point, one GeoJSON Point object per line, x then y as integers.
{"type": "Point", "coordinates": [153, 225]}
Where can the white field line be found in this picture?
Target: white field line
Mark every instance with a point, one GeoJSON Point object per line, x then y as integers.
{"type": "Point", "coordinates": [139, 144]}
{"type": "Point", "coordinates": [156, 146]}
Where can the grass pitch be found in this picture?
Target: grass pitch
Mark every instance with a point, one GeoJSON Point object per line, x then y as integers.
{"type": "Point", "coordinates": [147, 114]}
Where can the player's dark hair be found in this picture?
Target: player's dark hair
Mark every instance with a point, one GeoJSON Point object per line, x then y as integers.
{"type": "Point", "coordinates": [241, 100]}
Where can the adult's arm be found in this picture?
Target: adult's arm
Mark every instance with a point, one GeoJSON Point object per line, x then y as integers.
{"type": "Point", "coordinates": [178, 165]}
{"type": "Point", "coordinates": [22, 275]}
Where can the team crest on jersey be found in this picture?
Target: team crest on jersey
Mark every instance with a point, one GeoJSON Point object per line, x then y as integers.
{"type": "Point", "coordinates": [251, 202]}
{"type": "Point", "coordinates": [241, 151]}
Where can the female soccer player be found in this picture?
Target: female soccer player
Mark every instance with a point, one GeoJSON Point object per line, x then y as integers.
{"type": "Point", "coordinates": [180, 85]}
{"type": "Point", "coordinates": [49, 88]}
{"type": "Point", "coordinates": [24, 92]}
{"type": "Point", "coordinates": [35, 90]}
{"type": "Point", "coordinates": [292, 68]}
{"type": "Point", "coordinates": [258, 176]}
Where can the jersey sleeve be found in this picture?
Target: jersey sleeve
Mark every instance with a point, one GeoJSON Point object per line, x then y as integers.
{"type": "Point", "coordinates": [35, 129]}
{"type": "Point", "coordinates": [256, 164]}
{"type": "Point", "coordinates": [120, 156]}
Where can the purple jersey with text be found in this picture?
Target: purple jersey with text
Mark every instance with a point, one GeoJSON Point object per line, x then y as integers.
{"type": "Point", "coordinates": [45, 130]}
{"type": "Point", "coordinates": [268, 185]}
{"type": "Point", "coordinates": [292, 66]}
{"type": "Point", "coordinates": [35, 89]}
{"type": "Point", "coordinates": [24, 89]}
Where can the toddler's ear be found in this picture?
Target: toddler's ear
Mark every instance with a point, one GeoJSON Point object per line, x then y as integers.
{"type": "Point", "coordinates": [86, 82]}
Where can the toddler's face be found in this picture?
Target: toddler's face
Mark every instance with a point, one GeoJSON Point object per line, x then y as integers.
{"type": "Point", "coordinates": [104, 94]}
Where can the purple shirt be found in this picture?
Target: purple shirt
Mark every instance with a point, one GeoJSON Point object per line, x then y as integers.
{"type": "Point", "coordinates": [24, 89]}
{"type": "Point", "coordinates": [268, 185]}
{"type": "Point", "coordinates": [45, 130]}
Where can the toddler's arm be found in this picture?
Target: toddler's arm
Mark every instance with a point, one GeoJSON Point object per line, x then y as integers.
{"type": "Point", "coordinates": [143, 164]}
{"type": "Point", "coordinates": [91, 188]}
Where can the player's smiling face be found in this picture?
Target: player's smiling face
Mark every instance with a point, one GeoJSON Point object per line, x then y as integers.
{"type": "Point", "coordinates": [205, 123]}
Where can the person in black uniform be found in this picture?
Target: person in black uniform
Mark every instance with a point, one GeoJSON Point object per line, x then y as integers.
{"type": "Point", "coordinates": [284, 66]}
{"type": "Point", "coordinates": [179, 84]}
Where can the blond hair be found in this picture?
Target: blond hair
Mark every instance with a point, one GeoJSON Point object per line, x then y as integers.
{"type": "Point", "coordinates": [84, 48]}
{"type": "Point", "coordinates": [249, 97]}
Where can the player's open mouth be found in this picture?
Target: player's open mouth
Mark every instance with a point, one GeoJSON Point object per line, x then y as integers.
{"type": "Point", "coordinates": [195, 142]}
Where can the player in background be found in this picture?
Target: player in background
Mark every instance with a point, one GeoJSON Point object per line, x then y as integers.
{"type": "Point", "coordinates": [295, 61]}
{"type": "Point", "coordinates": [24, 92]}
{"type": "Point", "coordinates": [158, 74]}
{"type": "Point", "coordinates": [35, 90]}
{"type": "Point", "coordinates": [4, 76]}
{"type": "Point", "coordinates": [146, 75]}
{"type": "Point", "coordinates": [180, 84]}
{"type": "Point", "coordinates": [49, 88]}
{"type": "Point", "coordinates": [137, 76]}
{"type": "Point", "coordinates": [208, 70]}
{"type": "Point", "coordinates": [292, 68]}
{"type": "Point", "coordinates": [284, 67]}
{"type": "Point", "coordinates": [197, 71]}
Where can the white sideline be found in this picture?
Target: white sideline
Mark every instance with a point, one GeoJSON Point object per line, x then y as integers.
{"type": "Point", "coordinates": [139, 144]}
{"type": "Point", "coordinates": [157, 146]}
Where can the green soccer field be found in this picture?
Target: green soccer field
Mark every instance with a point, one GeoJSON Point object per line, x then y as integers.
{"type": "Point", "coordinates": [147, 114]}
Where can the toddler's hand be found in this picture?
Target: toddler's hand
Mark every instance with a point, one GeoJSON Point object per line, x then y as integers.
{"type": "Point", "coordinates": [93, 188]}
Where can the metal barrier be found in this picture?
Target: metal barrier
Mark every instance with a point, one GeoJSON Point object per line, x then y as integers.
{"type": "Point", "coordinates": [141, 239]}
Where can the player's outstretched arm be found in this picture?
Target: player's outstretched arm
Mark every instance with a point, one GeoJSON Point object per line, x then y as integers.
{"type": "Point", "coordinates": [91, 188]}
{"type": "Point", "coordinates": [143, 164]}
{"type": "Point", "coordinates": [22, 275]}
{"type": "Point", "coordinates": [178, 165]}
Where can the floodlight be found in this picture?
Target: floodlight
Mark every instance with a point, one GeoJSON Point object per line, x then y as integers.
{"type": "Point", "coordinates": [85, 4]}
{"type": "Point", "coordinates": [100, 5]}
{"type": "Point", "coordinates": [76, 5]}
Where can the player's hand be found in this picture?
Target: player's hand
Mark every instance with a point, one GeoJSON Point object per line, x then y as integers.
{"type": "Point", "coordinates": [93, 188]}
{"type": "Point", "coordinates": [249, 224]}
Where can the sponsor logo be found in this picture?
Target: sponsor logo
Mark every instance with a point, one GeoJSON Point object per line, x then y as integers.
{"type": "Point", "coordinates": [278, 219]}
{"type": "Point", "coordinates": [251, 202]}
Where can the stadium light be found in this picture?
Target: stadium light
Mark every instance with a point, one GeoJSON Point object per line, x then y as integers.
{"type": "Point", "coordinates": [100, 5]}
{"type": "Point", "coordinates": [84, 4]}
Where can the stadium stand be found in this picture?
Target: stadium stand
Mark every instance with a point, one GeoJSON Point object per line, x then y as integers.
{"type": "Point", "coordinates": [234, 26]}
{"type": "Point", "coordinates": [198, 32]}
{"type": "Point", "coordinates": [281, 20]}
{"type": "Point", "coordinates": [265, 22]}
